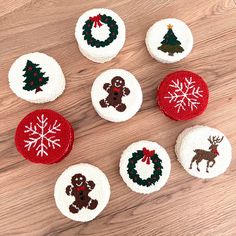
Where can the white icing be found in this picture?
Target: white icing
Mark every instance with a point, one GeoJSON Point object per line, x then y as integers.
{"type": "Point", "coordinates": [155, 36]}
{"type": "Point", "coordinates": [101, 54]}
{"type": "Point", "coordinates": [197, 138]}
{"type": "Point", "coordinates": [132, 101]}
{"type": "Point", "coordinates": [162, 154]}
{"type": "Point", "coordinates": [50, 91]}
{"type": "Point", "coordinates": [101, 192]}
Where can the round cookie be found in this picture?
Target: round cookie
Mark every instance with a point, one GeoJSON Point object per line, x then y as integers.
{"type": "Point", "coordinates": [100, 34]}
{"type": "Point", "coordinates": [204, 152]}
{"type": "Point", "coordinates": [82, 192]}
{"type": "Point", "coordinates": [182, 95]}
{"type": "Point", "coordinates": [67, 152]}
{"type": "Point", "coordinates": [169, 40]}
{"type": "Point", "coordinates": [181, 135]}
{"type": "Point", "coordinates": [37, 78]}
{"type": "Point", "coordinates": [116, 95]}
{"type": "Point", "coordinates": [44, 136]}
{"type": "Point", "coordinates": [145, 167]}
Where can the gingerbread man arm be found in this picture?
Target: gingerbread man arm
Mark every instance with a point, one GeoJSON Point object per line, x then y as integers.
{"type": "Point", "coordinates": [126, 91]}
{"type": "Point", "coordinates": [107, 87]}
{"type": "Point", "coordinates": [90, 185]}
{"type": "Point", "coordinates": [69, 190]}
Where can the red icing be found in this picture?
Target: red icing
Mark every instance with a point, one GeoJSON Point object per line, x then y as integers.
{"type": "Point", "coordinates": [96, 20]}
{"type": "Point", "coordinates": [57, 129]}
{"type": "Point", "coordinates": [171, 92]}
{"type": "Point", "coordinates": [81, 188]}
{"type": "Point", "coordinates": [215, 151]}
{"type": "Point", "coordinates": [147, 154]}
{"type": "Point", "coordinates": [116, 89]}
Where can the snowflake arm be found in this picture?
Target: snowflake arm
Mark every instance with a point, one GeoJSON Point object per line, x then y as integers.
{"type": "Point", "coordinates": [42, 149]}
{"type": "Point", "coordinates": [40, 137]}
{"type": "Point", "coordinates": [185, 95]}
{"type": "Point", "coordinates": [53, 128]}
{"type": "Point", "coordinates": [31, 130]}
{"type": "Point", "coordinates": [53, 142]}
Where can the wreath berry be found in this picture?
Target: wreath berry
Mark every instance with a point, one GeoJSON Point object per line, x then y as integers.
{"type": "Point", "coordinates": [99, 20]}
{"type": "Point", "coordinates": [146, 156]}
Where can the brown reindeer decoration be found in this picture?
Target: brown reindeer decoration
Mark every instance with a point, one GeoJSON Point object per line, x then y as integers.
{"type": "Point", "coordinates": [209, 156]}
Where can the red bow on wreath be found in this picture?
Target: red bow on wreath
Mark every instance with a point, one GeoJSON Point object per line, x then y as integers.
{"type": "Point", "coordinates": [96, 20]}
{"type": "Point", "coordinates": [147, 154]}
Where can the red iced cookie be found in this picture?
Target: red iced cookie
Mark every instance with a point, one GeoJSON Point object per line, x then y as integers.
{"type": "Point", "coordinates": [44, 136]}
{"type": "Point", "coordinates": [68, 149]}
{"type": "Point", "coordinates": [182, 95]}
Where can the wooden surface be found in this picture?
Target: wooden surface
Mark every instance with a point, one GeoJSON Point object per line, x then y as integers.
{"type": "Point", "coordinates": [186, 205]}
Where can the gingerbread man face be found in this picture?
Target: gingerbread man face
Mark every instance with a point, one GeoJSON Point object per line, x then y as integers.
{"type": "Point", "coordinates": [116, 91]}
{"type": "Point", "coordinates": [118, 82]}
{"type": "Point", "coordinates": [80, 189]}
{"type": "Point", "coordinates": [78, 180]}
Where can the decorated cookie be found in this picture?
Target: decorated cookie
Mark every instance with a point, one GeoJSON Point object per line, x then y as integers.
{"type": "Point", "coordinates": [182, 95]}
{"type": "Point", "coordinates": [82, 192]}
{"type": "Point", "coordinates": [44, 136]}
{"type": "Point", "coordinates": [37, 78]}
{"type": "Point", "coordinates": [169, 40]}
{"type": "Point", "coordinates": [116, 95]}
{"type": "Point", "coordinates": [204, 152]}
{"type": "Point", "coordinates": [100, 34]}
{"type": "Point", "coordinates": [145, 167]}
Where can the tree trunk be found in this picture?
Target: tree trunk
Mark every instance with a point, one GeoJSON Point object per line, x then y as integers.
{"type": "Point", "coordinates": [38, 89]}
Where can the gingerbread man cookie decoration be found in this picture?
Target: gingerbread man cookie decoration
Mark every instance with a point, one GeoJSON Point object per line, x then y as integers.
{"type": "Point", "coordinates": [116, 95]}
{"type": "Point", "coordinates": [80, 189]}
{"type": "Point", "coordinates": [116, 90]}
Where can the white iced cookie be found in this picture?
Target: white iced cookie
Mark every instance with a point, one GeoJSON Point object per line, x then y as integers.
{"type": "Point", "coordinates": [204, 152]}
{"type": "Point", "coordinates": [37, 78]}
{"type": "Point", "coordinates": [116, 95]}
{"type": "Point", "coordinates": [100, 34]}
{"type": "Point", "coordinates": [82, 192]}
{"type": "Point", "coordinates": [169, 40]}
{"type": "Point", "coordinates": [145, 167]}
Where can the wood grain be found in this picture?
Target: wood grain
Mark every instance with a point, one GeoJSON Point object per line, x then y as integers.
{"type": "Point", "coordinates": [186, 205]}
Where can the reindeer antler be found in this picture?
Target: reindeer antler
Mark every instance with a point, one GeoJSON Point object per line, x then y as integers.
{"type": "Point", "coordinates": [218, 140]}
{"type": "Point", "coordinates": [215, 139]}
{"type": "Point", "coordinates": [209, 139]}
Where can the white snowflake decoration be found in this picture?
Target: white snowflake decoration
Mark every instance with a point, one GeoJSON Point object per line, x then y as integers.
{"type": "Point", "coordinates": [41, 136]}
{"type": "Point", "coordinates": [186, 94]}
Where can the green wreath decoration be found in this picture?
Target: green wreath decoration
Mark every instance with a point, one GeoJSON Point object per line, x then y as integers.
{"type": "Point", "coordinates": [99, 20]}
{"type": "Point", "coordinates": [146, 156]}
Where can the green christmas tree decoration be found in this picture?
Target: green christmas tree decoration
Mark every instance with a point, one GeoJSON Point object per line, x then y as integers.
{"type": "Point", "coordinates": [170, 43]}
{"type": "Point", "coordinates": [34, 77]}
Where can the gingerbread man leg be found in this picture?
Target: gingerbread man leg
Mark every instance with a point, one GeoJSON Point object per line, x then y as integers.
{"type": "Point", "coordinates": [104, 103]}
{"type": "Point", "coordinates": [92, 204]}
{"type": "Point", "coordinates": [120, 107]}
{"type": "Point", "coordinates": [74, 208]}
